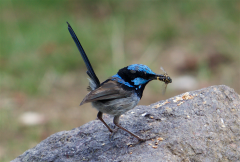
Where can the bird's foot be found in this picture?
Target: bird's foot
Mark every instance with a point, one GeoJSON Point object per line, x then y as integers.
{"type": "Point", "coordinates": [149, 138]}
{"type": "Point", "coordinates": [112, 134]}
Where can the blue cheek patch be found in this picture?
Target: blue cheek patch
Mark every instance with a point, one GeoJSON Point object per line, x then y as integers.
{"type": "Point", "coordinates": [120, 80]}
{"type": "Point", "coordinates": [139, 81]}
{"type": "Point", "coordinates": [140, 67]}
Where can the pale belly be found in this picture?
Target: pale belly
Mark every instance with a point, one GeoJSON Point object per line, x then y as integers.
{"type": "Point", "coordinates": [117, 106]}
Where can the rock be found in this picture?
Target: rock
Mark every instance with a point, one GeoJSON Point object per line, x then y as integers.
{"type": "Point", "coordinates": [202, 125]}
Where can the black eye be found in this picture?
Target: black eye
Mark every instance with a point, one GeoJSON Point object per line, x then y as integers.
{"type": "Point", "coordinates": [132, 71]}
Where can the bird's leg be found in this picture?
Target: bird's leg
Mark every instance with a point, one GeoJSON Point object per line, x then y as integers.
{"type": "Point", "coordinates": [116, 122]}
{"type": "Point", "coordinates": [99, 115]}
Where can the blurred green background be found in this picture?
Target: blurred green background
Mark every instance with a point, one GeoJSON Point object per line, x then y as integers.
{"type": "Point", "coordinates": [43, 77]}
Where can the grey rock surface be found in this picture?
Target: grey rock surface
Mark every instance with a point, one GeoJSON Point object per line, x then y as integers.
{"type": "Point", "coordinates": [202, 125]}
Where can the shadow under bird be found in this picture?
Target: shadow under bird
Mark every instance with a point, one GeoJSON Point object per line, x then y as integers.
{"type": "Point", "coordinates": [119, 93]}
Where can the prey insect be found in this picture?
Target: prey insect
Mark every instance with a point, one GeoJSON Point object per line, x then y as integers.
{"type": "Point", "coordinates": [166, 80]}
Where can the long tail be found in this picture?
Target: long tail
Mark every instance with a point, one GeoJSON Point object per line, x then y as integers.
{"type": "Point", "coordinates": [90, 71]}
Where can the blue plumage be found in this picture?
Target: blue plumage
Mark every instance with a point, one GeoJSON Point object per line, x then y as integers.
{"type": "Point", "coordinates": [121, 92]}
{"type": "Point", "coordinates": [140, 67]}
{"type": "Point", "coordinates": [117, 78]}
{"type": "Point", "coordinates": [140, 81]}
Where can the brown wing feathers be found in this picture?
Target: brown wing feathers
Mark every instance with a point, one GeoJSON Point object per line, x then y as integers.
{"type": "Point", "coordinates": [108, 90]}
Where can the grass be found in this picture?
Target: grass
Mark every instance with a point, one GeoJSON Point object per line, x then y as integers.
{"type": "Point", "coordinates": [37, 51]}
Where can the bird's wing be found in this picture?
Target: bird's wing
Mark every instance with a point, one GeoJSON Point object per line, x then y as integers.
{"type": "Point", "coordinates": [108, 90]}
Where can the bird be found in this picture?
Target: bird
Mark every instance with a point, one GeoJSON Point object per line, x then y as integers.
{"type": "Point", "coordinates": [120, 92]}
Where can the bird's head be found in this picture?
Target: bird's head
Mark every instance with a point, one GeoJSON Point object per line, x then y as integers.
{"type": "Point", "coordinates": [136, 75]}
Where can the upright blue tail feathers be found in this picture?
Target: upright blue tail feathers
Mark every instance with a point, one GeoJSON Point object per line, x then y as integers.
{"type": "Point", "coordinates": [90, 71]}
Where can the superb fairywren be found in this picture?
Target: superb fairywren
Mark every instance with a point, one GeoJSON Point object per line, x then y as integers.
{"type": "Point", "coordinates": [119, 93]}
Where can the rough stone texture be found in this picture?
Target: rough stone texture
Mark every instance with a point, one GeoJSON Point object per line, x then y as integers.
{"type": "Point", "coordinates": [202, 125]}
